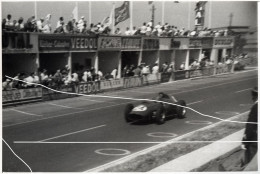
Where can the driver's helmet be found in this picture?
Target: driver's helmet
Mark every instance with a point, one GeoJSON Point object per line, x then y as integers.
{"type": "Point", "coordinates": [161, 95]}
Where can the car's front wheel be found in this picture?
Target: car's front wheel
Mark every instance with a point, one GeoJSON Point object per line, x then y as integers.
{"type": "Point", "coordinates": [181, 111]}
{"type": "Point", "coordinates": [128, 109]}
{"type": "Point", "coordinates": [160, 115]}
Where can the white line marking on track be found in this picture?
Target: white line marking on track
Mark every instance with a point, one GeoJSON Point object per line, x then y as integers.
{"type": "Point", "coordinates": [63, 106]}
{"type": "Point", "coordinates": [95, 100]}
{"type": "Point", "coordinates": [195, 102]}
{"type": "Point", "coordinates": [243, 90]}
{"type": "Point", "coordinates": [72, 133]}
{"type": "Point", "coordinates": [109, 142]}
{"type": "Point", "coordinates": [26, 113]}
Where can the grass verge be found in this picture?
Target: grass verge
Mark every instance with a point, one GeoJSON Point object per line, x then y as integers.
{"type": "Point", "coordinates": [147, 162]}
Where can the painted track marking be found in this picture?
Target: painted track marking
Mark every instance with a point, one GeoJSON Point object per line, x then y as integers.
{"type": "Point", "coordinates": [26, 113]}
{"type": "Point", "coordinates": [162, 134]}
{"type": "Point", "coordinates": [243, 90]}
{"type": "Point", "coordinates": [63, 106]}
{"type": "Point", "coordinates": [198, 122]}
{"type": "Point", "coordinates": [72, 133]}
{"type": "Point", "coordinates": [195, 102]}
{"type": "Point", "coordinates": [100, 152]}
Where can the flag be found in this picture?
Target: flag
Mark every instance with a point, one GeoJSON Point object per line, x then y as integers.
{"type": "Point", "coordinates": [108, 20]}
{"type": "Point", "coordinates": [75, 13]}
{"type": "Point", "coordinates": [150, 2]}
{"type": "Point", "coordinates": [122, 13]}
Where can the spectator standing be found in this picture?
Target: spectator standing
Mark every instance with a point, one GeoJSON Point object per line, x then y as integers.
{"type": "Point", "coordinates": [133, 32]}
{"type": "Point", "coordinates": [114, 73]}
{"type": "Point", "coordinates": [81, 23]}
{"type": "Point", "coordinates": [155, 69]}
{"type": "Point", "coordinates": [127, 32]}
{"type": "Point", "coordinates": [59, 23]}
{"type": "Point", "coordinates": [137, 71]}
{"type": "Point", "coordinates": [182, 66]}
{"type": "Point", "coordinates": [8, 22]}
{"type": "Point", "coordinates": [6, 85]}
{"type": "Point", "coordinates": [31, 24]}
{"type": "Point", "coordinates": [100, 74]}
{"type": "Point", "coordinates": [19, 25]}
{"type": "Point", "coordinates": [143, 29]}
{"type": "Point", "coordinates": [118, 31]}
{"type": "Point", "coordinates": [39, 24]}
{"type": "Point", "coordinates": [29, 79]}
{"type": "Point", "coordinates": [251, 130]}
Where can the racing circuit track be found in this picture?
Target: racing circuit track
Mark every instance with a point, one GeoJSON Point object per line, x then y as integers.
{"type": "Point", "coordinates": [78, 134]}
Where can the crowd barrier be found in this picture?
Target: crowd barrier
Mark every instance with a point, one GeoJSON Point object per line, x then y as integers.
{"type": "Point", "coordinates": [52, 95]}
{"type": "Point", "coordinates": [32, 94]}
{"type": "Point", "coordinates": [18, 96]}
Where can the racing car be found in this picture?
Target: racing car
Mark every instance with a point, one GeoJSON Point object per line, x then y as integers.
{"type": "Point", "coordinates": [156, 110]}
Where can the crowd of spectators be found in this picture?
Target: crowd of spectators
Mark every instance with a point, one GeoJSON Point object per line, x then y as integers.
{"type": "Point", "coordinates": [63, 76]}
{"type": "Point", "coordinates": [43, 25]}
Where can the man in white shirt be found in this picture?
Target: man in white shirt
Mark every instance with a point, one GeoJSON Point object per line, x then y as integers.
{"type": "Point", "coordinates": [114, 73]}
{"type": "Point", "coordinates": [133, 31]}
{"type": "Point", "coordinates": [127, 32]}
{"type": "Point", "coordinates": [155, 69]}
{"type": "Point", "coordinates": [143, 29]}
{"type": "Point", "coordinates": [39, 24]}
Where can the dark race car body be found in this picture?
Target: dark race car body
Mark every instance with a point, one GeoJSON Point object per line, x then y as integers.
{"type": "Point", "coordinates": [152, 110]}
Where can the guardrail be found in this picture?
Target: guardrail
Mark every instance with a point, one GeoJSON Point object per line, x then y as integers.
{"type": "Point", "coordinates": [20, 96]}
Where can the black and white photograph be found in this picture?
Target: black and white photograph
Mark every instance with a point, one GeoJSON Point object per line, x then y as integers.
{"type": "Point", "coordinates": [129, 86]}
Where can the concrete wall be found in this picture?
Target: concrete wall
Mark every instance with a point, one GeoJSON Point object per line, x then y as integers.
{"type": "Point", "coordinates": [17, 63]}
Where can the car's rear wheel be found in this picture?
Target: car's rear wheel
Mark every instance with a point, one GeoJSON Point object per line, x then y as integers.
{"type": "Point", "coordinates": [160, 115]}
{"type": "Point", "coordinates": [128, 109]}
{"type": "Point", "coordinates": [181, 111]}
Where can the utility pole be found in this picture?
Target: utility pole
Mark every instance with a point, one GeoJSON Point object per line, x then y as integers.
{"type": "Point", "coordinates": [230, 20]}
{"type": "Point", "coordinates": [153, 11]}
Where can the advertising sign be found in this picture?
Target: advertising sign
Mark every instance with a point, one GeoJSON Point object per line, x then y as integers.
{"type": "Point", "coordinates": [111, 84]}
{"type": "Point", "coordinates": [195, 43]}
{"type": "Point", "coordinates": [180, 75]}
{"type": "Point", "coordinates": [150, 43]}
{"type": "Point", "coordinates": [180, 43]}
{"type": "Point", "coordinates": [54, 42]}
{"type": "Point", "coordinates": [165, 43]}
{"type": "Point", "coordinates": [195, 73]}
{"type": "Point", "coordinates": [88, 88]}
{"type": "Point", "coordinates": [131, 43]}
{"type": "Point", "coordinates": [53, 95]}
{"type": "Point", "coordinates": [223, 42]}
{"type": "Point", "coordinates": [132, 82]}
{"type": "Point", "coordinates": [109, 43]}
{"type": "Point", "coordinates": [81, 42]}
{"type": "Point", "coordinates": [207, 42]}
{"type": "Point", "coordinates": [21, 94]}
{"type": "Point", "coordinates": [207, 71]}
{"type": "Point", "coordinates": [165, 77]}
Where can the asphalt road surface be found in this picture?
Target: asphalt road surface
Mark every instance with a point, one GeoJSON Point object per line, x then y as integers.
{"type": "Point", "coordinates": [78, 134]}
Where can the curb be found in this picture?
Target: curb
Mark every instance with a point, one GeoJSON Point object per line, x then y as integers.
{"type": "Point", "coordinates": [198, 159]}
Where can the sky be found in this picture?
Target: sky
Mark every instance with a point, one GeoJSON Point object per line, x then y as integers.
{"type": "Point", "coordinates": [180, 14]}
